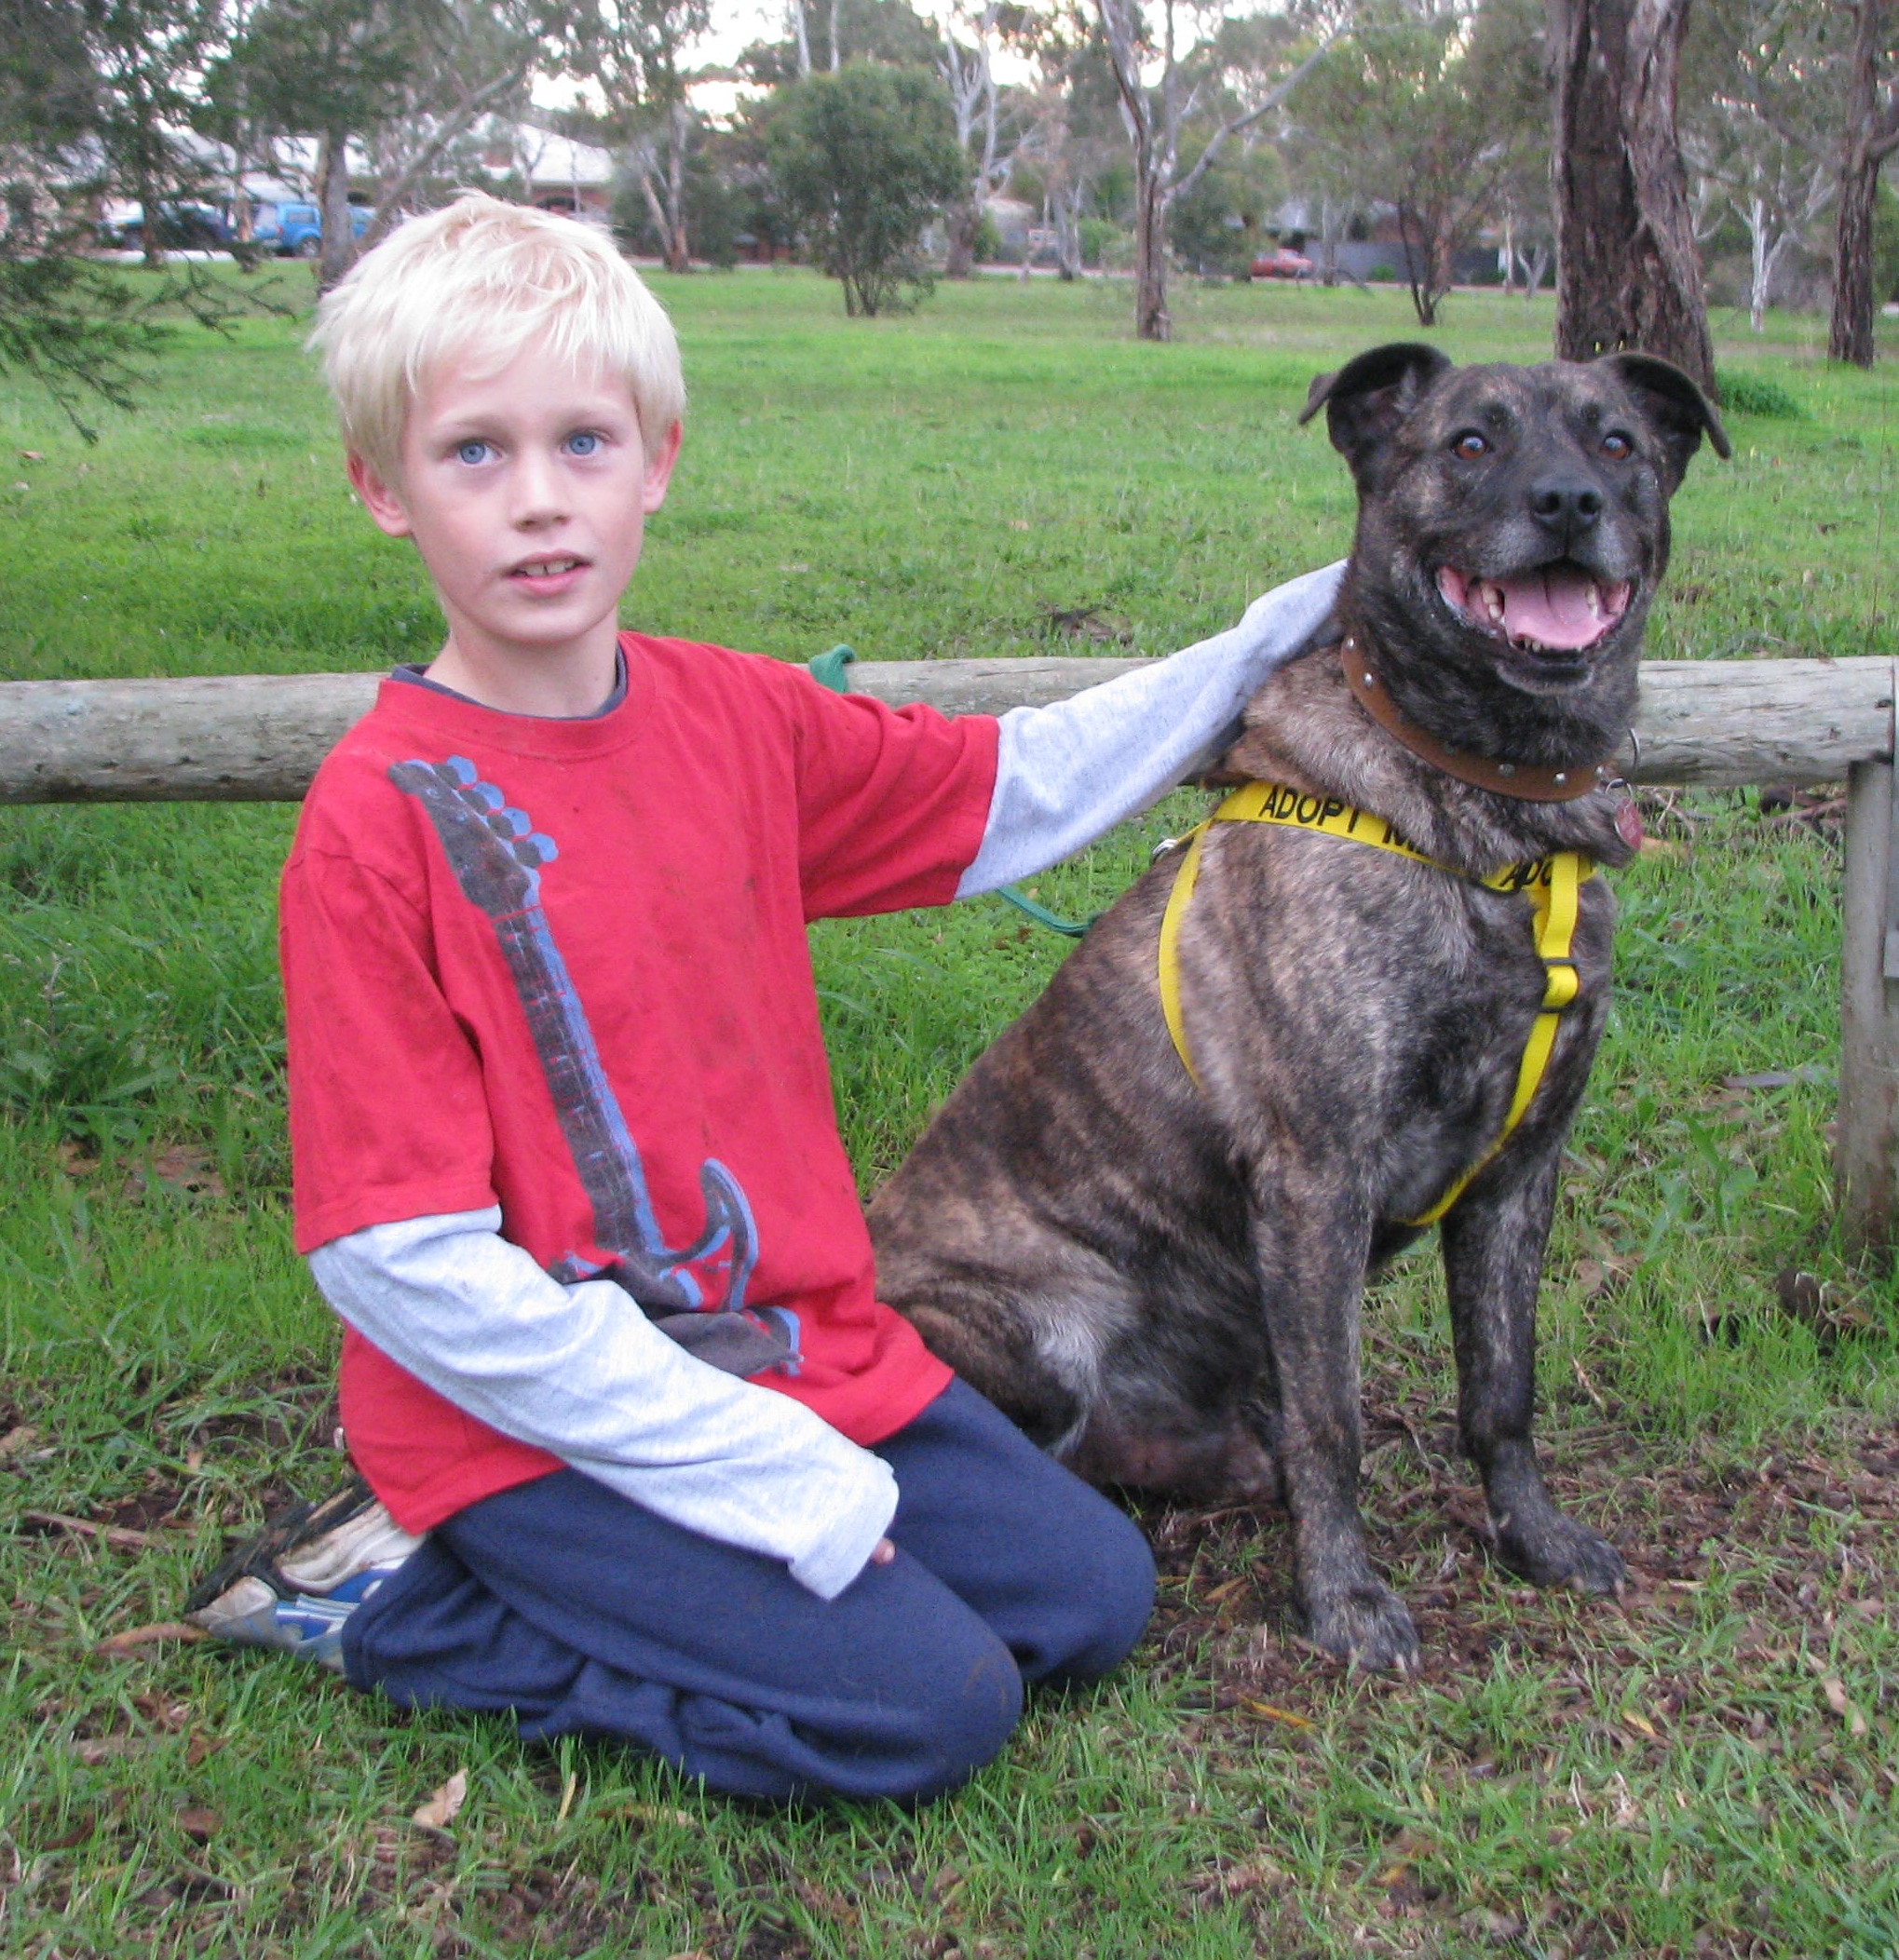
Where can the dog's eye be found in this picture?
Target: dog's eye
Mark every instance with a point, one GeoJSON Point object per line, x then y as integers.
{"type": "Point", "coordinates": [1617, 446]}
{"type": "Point", "coordinates": [1470, 446]}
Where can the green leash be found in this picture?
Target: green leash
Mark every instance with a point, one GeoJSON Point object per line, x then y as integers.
{"type": "Point", "coordinates": [827, 669]}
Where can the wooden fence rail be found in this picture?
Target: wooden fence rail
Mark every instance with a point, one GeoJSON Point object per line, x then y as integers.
{"type": "Point", "coordinates": [258, 739]}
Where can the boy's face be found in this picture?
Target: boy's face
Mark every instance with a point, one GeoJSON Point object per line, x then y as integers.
{"type": "Point", "coordinates": [526, 493]}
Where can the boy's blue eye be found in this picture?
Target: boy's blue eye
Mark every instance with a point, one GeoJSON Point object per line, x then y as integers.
{"type": "Point", "coordinates": [583, 445]}
{"type": "Point", "coordinates": [471, 453]}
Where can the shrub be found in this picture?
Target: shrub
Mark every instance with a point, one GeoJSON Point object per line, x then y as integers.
{"type": "Point", "coordinates": [863, 159]}
{"type": "Point", "coordinates": [1754, 394]}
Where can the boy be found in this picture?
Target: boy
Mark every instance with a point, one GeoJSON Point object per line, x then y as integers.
{"type": "Point", "coordinates": [644, 1457]}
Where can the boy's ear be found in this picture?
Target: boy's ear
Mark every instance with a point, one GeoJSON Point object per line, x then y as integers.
{"type": "Point", "coordinates": [659, 469]}
{"type": "Point", "coordinates": [382, 503]}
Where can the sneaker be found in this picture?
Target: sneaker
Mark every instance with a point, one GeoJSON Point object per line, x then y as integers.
{"type": "Point", "coordinates": [294, 1585]}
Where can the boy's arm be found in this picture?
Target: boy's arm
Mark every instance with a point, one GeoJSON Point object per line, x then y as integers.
{"type": "Point", "coordinates": [578, 1371]}
{"type": "Point", "coordinates": [1066, 773]}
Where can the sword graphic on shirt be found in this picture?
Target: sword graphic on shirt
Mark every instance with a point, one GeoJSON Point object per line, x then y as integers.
{"type": "Point", "coordinates": [695, 1294]}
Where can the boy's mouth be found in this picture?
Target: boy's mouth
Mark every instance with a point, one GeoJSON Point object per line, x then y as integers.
{"type": "Point", "coordinates": [547, 574]}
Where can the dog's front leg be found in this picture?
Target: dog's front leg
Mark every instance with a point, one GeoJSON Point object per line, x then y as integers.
{"type": "Point", "coordinates": [1312, 1244]}
{"type": "Point", "coordinates": [1493, 1255]}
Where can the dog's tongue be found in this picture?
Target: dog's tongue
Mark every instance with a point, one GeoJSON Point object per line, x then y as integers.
{"type": "Point", "coordinates": [1552, 607]}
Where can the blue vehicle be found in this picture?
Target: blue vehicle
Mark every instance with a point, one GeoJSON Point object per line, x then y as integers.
{"type": "Point", "coordinates": [295, 230]}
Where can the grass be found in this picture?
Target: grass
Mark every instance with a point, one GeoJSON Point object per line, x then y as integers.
{"type": "Point", "coordinates": [1704, 1769]}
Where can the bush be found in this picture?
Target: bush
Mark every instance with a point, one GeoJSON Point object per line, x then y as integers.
{"type": "Point", "coordinates": [1754, 394]}
{"type": "Point", "coordinates": [1099, 239]}
{"type": "Point", "coordinates": [863, 159]}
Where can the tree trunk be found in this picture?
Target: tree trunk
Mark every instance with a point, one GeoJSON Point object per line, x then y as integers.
{"type": "Point", "coordinates": [678, 247]}
{"type": "Point", "coordinates": [1762, 262]}
{"type": "Point", "coordinates": [1151, 320]}
{"type": "Point", "coordinates": [1628, 274]}
{"type": "Point", "coordinates": [1421, 248]}
{"type": "Point", "coordinates": [1867, 139]}
{"type": "Point", "coordinates": [339, 237]}
{"type": "Point", "coordinates": [961, 223]}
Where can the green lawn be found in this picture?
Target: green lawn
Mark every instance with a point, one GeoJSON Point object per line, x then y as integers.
{"type": "Point", "coordinates": [1702, 1770]}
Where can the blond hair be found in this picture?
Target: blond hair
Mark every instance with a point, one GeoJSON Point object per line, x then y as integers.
{"type": "Point", "coordinates": [470, 286]}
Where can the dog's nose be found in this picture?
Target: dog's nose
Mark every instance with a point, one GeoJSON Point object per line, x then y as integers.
{"type": "Point", "coordinates": [1566, 504]}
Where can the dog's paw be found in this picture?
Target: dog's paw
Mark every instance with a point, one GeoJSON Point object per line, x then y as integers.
{"type": "Point", "coordinates": [1549, 1549]}
{"type": "Point", "coordinates": [1366, 1626]}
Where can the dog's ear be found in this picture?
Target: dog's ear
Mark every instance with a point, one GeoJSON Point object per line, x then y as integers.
{"type": "Point", "coordinates": [1371, 395]}
{"type": "Point", "coordinates": [1677, 409]}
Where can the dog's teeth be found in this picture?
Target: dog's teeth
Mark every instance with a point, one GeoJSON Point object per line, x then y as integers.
{"type": "Point", "coordinates": [1592, 600]}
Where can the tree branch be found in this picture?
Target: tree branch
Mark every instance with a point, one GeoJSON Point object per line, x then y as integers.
{"type": "Point", "coordinates": [1218, 141]}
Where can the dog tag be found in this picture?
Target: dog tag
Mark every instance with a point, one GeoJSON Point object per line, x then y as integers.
{"type": "Point", "coordinates": [1629, 824]}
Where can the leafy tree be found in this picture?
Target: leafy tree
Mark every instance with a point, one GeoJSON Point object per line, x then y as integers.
{"type": "Point", "coordinates": [1163, 83]}
{"type": "Point", "coordinates": [824, 36]}
{"type": "Point", "coordinates": [71, 324]}
{"type": "Point", "coordinates": [1760, 124]}
{"type": "Point", "coordinates": [863, 159]}
{"type": "Point", "coordinates": [634, 52]}
{"type": "Point", "coordinates": [146, 57]}
{"type": "Point", "coordinates": [406, 79]}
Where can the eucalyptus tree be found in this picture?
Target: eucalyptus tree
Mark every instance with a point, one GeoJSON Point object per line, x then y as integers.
{"type": "Point", "coordinates": [1431, 108]}
{"type": "Point", "coordinates": [1166, 79]}
{"type": "Point", "coordinates": [1628, 271]}
{"type": "Point", "coordinates": [1761, 125]}
{"type": "Point", "coordinates": [1869, 134]}
{"type": "Point", "coordinates": [635, 53]}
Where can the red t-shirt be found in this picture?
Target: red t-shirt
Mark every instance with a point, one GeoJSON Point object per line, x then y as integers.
{"type": "Point", "coordinates": [561, 966]}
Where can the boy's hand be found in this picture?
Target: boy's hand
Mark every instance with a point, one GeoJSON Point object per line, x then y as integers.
{"type": "Point", "coordinates": [882, 1552]}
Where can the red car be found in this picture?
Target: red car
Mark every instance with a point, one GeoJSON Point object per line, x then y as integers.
{"type": "Point", "coordinates": [1281, 262]}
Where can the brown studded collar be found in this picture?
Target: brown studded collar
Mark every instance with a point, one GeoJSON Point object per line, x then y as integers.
{"type": "Point", "coordinates": [1518, 780]}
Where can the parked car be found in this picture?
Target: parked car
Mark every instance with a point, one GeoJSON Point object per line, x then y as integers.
{"type": "Point", "coordinates": [295, 230]}
{"type": "Point", "coordinates": [181, 227]}
{"type": "Point", "coordinates": [1281, 262]}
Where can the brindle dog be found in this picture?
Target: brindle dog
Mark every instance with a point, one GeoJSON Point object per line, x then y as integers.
{"type": "Point", "coordinates": [1160, 1282]}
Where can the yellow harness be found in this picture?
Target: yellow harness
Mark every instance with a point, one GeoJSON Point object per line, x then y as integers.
{"type": "Point", "coordinates": [1553, 885]}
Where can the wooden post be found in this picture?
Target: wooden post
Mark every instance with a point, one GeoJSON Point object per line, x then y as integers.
{"type": "Point", "coordinates": [1866, 1158]}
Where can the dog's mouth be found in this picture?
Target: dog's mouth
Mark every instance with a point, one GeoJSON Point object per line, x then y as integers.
{"type": "Point", "coordinates": [1557, 608]}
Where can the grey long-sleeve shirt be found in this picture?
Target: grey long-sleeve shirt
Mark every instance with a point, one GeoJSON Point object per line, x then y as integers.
{"type": "Point", "coordinates": [578, 1371]}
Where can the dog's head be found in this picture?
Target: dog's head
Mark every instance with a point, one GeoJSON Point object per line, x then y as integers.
{"type": "Point", "coordinates": [1514, 522]}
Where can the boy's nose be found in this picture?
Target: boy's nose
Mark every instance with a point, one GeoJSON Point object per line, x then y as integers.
{"type": "Point", "coordinates": [538, 493]}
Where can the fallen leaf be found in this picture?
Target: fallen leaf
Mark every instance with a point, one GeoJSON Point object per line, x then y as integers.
{"type": "Point", "coordinates": [1018, 523]}
{"type": "Point", "coordinates": [1835, 1691]}
{"type": "Point", "coordinates": [96, 1750]}
{"type": "Point", "coordinates": [1276, 1714]}
{"type": "Point", "coordinates": [439, 1811]}
{"type": "Point", "coordinates": [185, 1166]}
{"type": "Point", "coordinates": [198, 1823]}
{"type": "Point", "coordinates": [16, 1440]}
{"type": "Point", "coordinates": [32, 455]}
{"type": "Point", "coordinates": [171, 1716]}
{"type": "Point", "coordinates": [148, 1636]}
{"type": "Point", "coordinates": [1640, 1724]}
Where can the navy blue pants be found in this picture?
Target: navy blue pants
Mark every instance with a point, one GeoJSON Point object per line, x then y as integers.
{"type": "Point", "coordinates": [585, 1615]}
